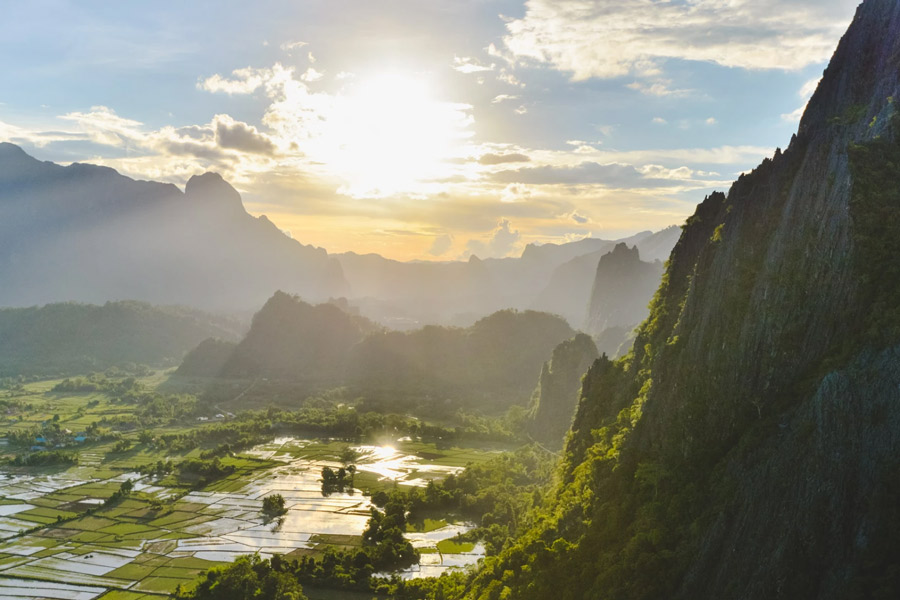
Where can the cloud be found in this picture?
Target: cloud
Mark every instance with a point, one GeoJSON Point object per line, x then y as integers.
{"type": "Point", "coordinates": [660, 121]}
{"type": "Point", "coordinates": [498, 159]}
{"type": "Point", "coordinates": [711, 121]}
{"type": "Point", "coordinates": [659, 88]}
{"type": "Point", "coordinates": [503, 242]}
{"type": "Point", "coordinates": [312, 75]}
{"type": "Point", "coordinates": [503, 98]}
{"type": "Point", "coordinates": [244, 81]}
{"type": "Point", "coordinates": [441, 245]}
{"type": "Point", "coordinates": [581, 220]}
{"type": "Point", "coordinates": [241, 136]}
{"type": "Point", "coordinates": [515, 192]}
{"type": "Point", "coordinates": [608, 38]}
{"type": "Point", "coordinates": [288, 46]}
{"type": "Point", "coordinates": [466, 64]}
{"type": "Point", "coordinates": [613, 175]}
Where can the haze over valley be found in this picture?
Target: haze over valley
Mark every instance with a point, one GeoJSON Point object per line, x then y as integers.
{"type": "Point", "coordinates": [450, 301]}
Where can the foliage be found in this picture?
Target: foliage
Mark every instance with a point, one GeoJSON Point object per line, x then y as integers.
{"type": "Point", "coordinates": [273, 506]}
{"type": "Point", "coordinates": [247, 578]}
{"type": "Point", "coordinates": [875, 213]}
{"type": "Point", "coordinates": [45, 458]}
{"type": "Point", "coordinates": [77, 338]}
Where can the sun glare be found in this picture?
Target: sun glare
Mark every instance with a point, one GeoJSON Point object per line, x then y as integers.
{"type": "Point", "coordinates": [390, 135]}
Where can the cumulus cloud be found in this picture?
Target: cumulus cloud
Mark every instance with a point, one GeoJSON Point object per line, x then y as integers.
{"type": "Point", "coordinates": [241, 136]}
{"type": "Point", "coordinates": [608, 38]}
{"type": "Point", "coordinates": [504, 241]}
{"type": "Point", "coordinates": [498, 159]}
{"type": "Point", "coordinates": [311, 75]}
{"type": "Point", "coordinates": [503, 98]}
{"type": "Point", "coordinates": [243, 81]}
{"type": "Point", "coordinates": [441, 245]}
{"type": "Point", "coordinates": [467, 64]}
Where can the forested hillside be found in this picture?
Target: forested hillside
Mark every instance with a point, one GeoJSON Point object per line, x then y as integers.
{"type": "Point", "coordinates": [62, 339]}
{"type": "Point", "coordinates": [746, 447]}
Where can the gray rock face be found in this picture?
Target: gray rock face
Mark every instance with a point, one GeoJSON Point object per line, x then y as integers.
{"type": "Point", "coordinates": [748, 448]}
{"type": "Point", "coordinates": [623, 286]}
{"type": "Point", "coordinates": [556, 396]}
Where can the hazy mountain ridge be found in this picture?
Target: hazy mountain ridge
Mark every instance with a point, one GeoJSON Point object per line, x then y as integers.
{"type": "Point", "coordinates": [496, 359]}
{"type": "Point", "coordinates": [623, 287]}
{"type": "Point", "coordinates": [65, 339]}
{"type": "Point", "coordinates": [87, 233]}
{"type": "Point", "coordinates": [746, 449]}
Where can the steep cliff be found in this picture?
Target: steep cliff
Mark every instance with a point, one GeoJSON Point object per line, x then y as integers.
{"type": "Point", "coordinates": [746, 448]}
{"type": "Point", "coordinates": [623, 285]}
{"type": "Point", "coordinates": [556, 396]}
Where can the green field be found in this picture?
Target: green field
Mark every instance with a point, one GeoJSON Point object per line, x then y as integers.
{"type": "Point", "coordinates": [59, 526]}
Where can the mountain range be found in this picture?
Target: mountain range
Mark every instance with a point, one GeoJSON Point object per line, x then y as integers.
{"type": "Point", "coordinates": [86, 233]}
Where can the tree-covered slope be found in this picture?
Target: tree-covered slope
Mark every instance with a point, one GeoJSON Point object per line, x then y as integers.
{"type": "Point", "coordinates": [62, 339]}
{"type": "Point", "coordinates": [491, 364]}
{"type": "Point", "coordinates": [497, 358]}
{"type": "Point", "coordinates": [556, 396]}
{"type": "Point", "coordinates": [746, 448]}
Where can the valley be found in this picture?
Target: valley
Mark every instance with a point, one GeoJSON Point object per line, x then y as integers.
{"type": "Point", "coordinates": [64, 526]}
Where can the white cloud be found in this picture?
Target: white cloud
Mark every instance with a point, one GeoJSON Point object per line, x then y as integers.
{"type": "Point", "coordinates": [503, 98]}
{"type": "Point", "coordinates": [660, 121]}
{"type": "Point", "coordinates": [504, 241]}
{"type": "Point", "coordinates": [244, 81]}
{"type": "Point", "coordinates": [288, 46]}
{"type": "Point", "coordinates": [711, 121]}
{"type": "Point", "coordinates": [312, 75]}
{"type": "Point", "coordinates": [608, 38]}
{"type": "Point", "coordinates": [658, 87]}
{"type": "Point", "coordinates": [467, 64]}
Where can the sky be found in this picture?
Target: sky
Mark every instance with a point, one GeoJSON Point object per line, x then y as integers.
{"type": "Point", "coordinates": [422, 129]}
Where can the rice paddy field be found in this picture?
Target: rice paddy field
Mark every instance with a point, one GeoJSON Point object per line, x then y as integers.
{"type": "Point", "coordinates": [60, 538]}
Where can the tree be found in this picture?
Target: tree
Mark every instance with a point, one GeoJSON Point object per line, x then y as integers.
{"type": "Point", "coordinates": [273, 505]}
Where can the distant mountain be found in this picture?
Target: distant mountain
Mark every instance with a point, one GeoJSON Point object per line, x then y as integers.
{"type": "Point", "coordinates": [66, 339]}
{"type": "Point", "coordinates": [623, 287]}
{"type": "Point", "coordinates": [568, 292]}
{"type": "Point", "coordinates": [290, 339]}
{"type": "Point", "coordinates": [556, 396]}
{"type": "Point", "coordinates": [546, 278]}
{"type": "Point", "coordinates": [491, 364]}
{"type": "Point", "coordinates": [89, 234]}
{"type": "Point", "coordinates": [494, 360]}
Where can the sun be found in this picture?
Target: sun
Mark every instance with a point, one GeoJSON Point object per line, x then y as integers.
{"type": "Point", "coordinates": [389, 135]}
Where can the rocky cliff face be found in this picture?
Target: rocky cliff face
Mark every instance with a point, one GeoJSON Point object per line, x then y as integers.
{"type": "Point", "coordinates": [556, 396]}
{"type": "Point", "coordinates": [623, 285]}
{"type": "Point", "coordinates": [747, 447]}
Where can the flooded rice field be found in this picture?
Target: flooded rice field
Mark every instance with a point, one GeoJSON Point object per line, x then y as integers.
{"type": "Point", "coordinates": [59, 541]}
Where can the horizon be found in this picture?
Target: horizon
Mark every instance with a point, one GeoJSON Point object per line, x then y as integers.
{"type": "Point", "coordinates": [423, 132]}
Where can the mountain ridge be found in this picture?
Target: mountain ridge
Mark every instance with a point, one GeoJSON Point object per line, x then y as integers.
{"type": "Point", "coordinates": [745, 448]}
